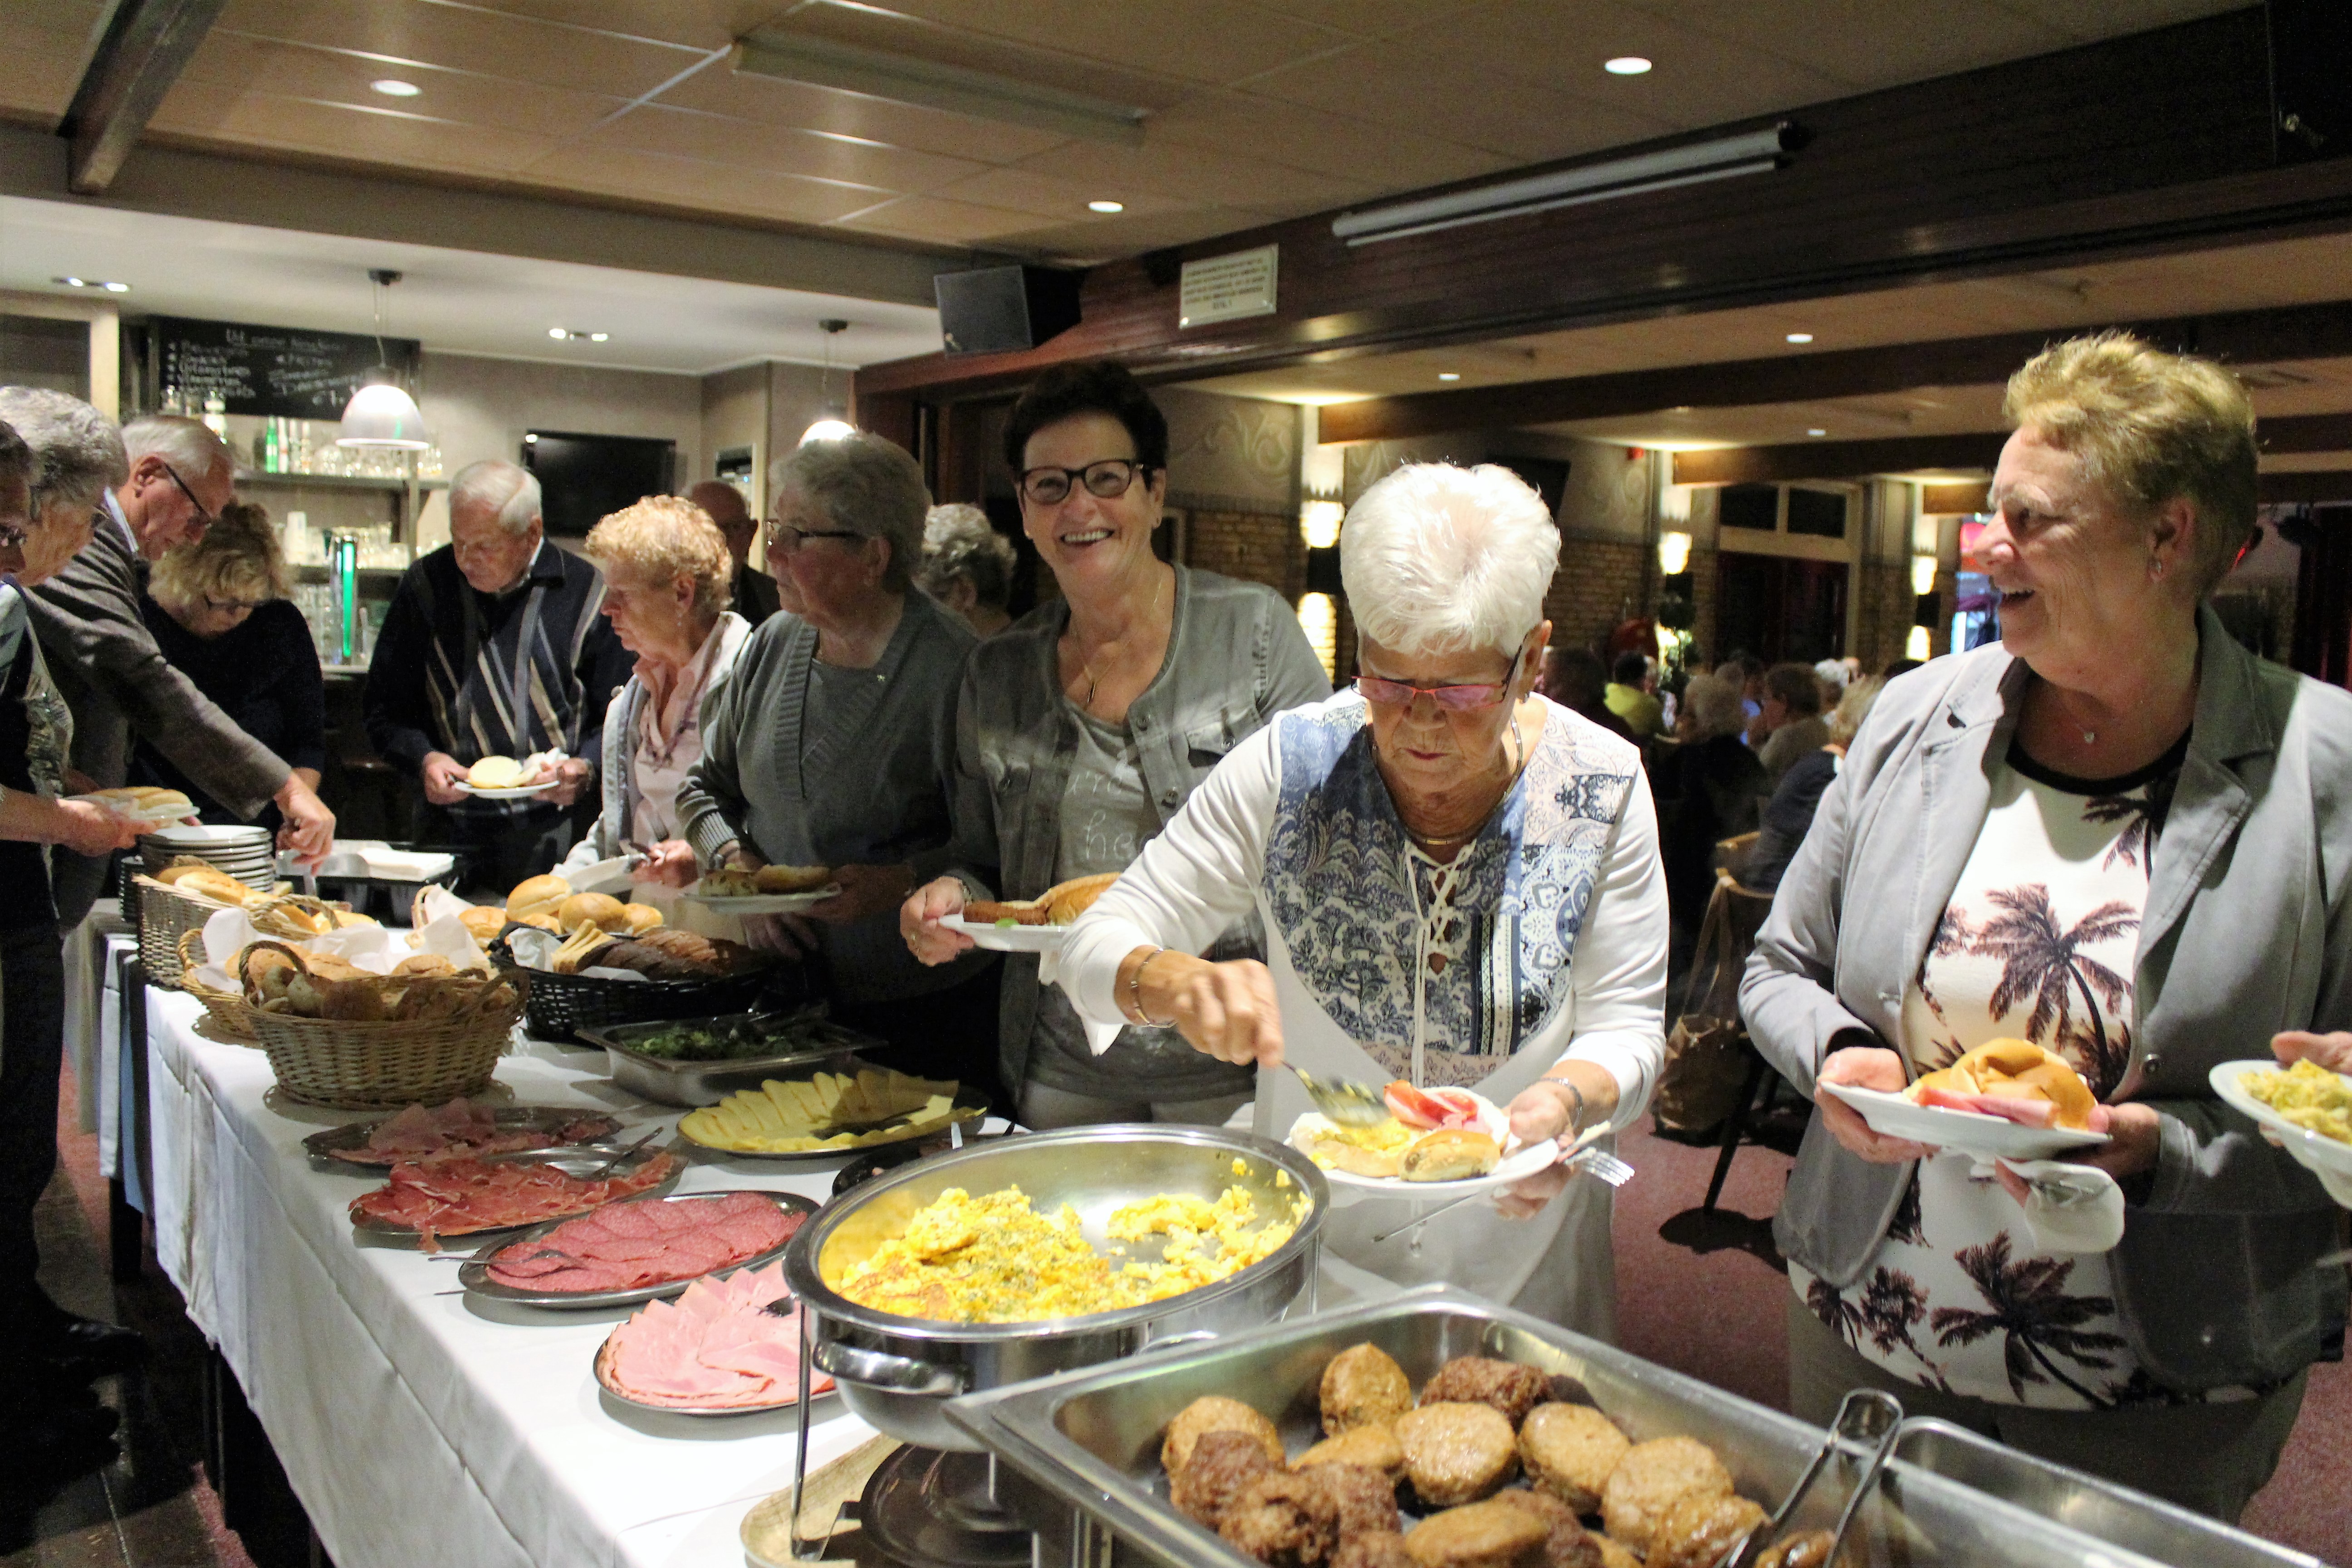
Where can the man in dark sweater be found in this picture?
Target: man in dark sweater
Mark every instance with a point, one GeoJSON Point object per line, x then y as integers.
{"type": "Point", "coordinates": [755, 591]}
{"type": "Point", "coordinates": [494, 645]}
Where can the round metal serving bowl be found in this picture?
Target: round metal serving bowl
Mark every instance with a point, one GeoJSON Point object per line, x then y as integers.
{"type": "Point", "coordinates": [897, 1374]}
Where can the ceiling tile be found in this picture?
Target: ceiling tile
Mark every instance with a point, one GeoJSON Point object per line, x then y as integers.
{"type": "Point", "coordinates": [1210, 41]}
{"type": "Point", "coordinates": [464, 38]}
{"type": "Point", "coordinates": [1126, 234]}
{"type": "Point", "coordinates": [372, 136]}
{"type": "Point", "coordinates": [229, 63]}
{"type": "Point", "coordinates": [720, 140]}
{"type": "Point", "coordinates": [688, 182]}
{"type": "Point", "coordinates": [1046, 195]}
{"type": "Point", "coordinates": [1365, 18]}
{"type": "Point", "coordinates": [929, 218]}
{"type": "Point", "coordinates": [696, 24]}
{"type": "Point", "coordinates": [1195, 174]}
{"type": "Point", "coordinates": [2084, 20]}
{"type": "Point", "coordinates": [1257, 125]}
{"type": "Point", "coordinates": [48, 43]}
{"type": "Point", "coordinates": [720, 90]}
{"type": "Point", "coordinates": [1856, 45]}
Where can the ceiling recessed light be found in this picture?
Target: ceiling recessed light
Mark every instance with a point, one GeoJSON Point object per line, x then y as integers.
{"type": "Point", "coordinates": [1817, 431]}
{"type": "Point", "coordinates": [557, 333]}
{"type": "Point", "coordinates": [1680, 408]}
{"type": "Point", "coordinates": [1105, 206]}
{"type": "Point", "coordinates": [1801, 337]}
{"type": "Point", "coordinates": [92, 283]}
{"type": "Point", "coordinates": [598, 337]}
{"type": "Point", "coordinates": [1626, 65]}
{"type": "Point", "coordinates": [1449, 376]}
{"type": "Point", "coordinates": [116, 288]}
{"type": "Point", "coordinates": [392, 87]}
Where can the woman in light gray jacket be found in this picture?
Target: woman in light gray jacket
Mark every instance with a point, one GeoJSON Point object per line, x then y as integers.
{"type": "Point", "coordinates": [2121, 837]}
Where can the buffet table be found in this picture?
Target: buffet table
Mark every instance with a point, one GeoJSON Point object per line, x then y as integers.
{"type": "Point", "coordinates": [415, 1424]}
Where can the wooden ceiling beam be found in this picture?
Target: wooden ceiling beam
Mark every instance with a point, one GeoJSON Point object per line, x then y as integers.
{"type": "Point", "coordinates": [2015, 168]}
{"type": "Point", "coordinates": [2304, 488]}
{"type": "Point", "coordinates": [146, 44]}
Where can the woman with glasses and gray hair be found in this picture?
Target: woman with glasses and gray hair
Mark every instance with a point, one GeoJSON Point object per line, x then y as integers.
{"type": "Point", "coordinates": [1084, 729]}
{"type": "Point", "coordinates": [834, 745]}
{"type": "Point", "coordinates": [1459, 885]}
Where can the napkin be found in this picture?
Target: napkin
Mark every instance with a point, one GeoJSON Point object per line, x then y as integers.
{"type": "Point", "coordinates": [2070, 1208]}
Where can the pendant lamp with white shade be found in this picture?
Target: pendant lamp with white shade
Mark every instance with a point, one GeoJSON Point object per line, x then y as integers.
{"type": "Point", "coordinates": [832, 421]}
{"type": "Point", "coordinates": [381, 415]}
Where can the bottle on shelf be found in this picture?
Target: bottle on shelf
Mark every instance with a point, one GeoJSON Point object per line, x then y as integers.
{"type": "Point", "coordinates": [216, 415]}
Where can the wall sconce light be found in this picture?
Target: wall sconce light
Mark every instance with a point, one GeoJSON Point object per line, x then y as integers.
{"type": "Point", "coordinates": [1918, 645]}
{"type": "Point", "coordinates": [1318, 522]}
{"type": "Point", "coordinates": [1923, 574]}
{"type": "Point", "coordinates": [1318, 617]}
{"type": "Point", "coordinates": [1673, 553]}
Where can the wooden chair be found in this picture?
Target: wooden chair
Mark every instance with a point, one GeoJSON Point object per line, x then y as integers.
{"type": "Point", "coordinates": [1734, 913]}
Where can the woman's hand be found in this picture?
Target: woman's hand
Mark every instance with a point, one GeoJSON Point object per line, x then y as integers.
{"type": "Point", "coordinates": [865, 890]}
{"type": "Point", "coordinates": [2333, 1052]}
{"type": "Point", "coordinates": [2135, 1135]}
{"type": "Point", "coordinates": [1547, 1111]}
{"type": "Point", "coordinates": [1223, 1010]}
{"type": "Point", "coordinates": [919, 918]}
{"type": "Point", "coordinates": [787, 936]}
{"type": "Point", "coordinates": [90, 829]}
{"type": "Point", "coordinates": [668, 864]}
{"type": "Point", "coordinates": [1865, 1066]}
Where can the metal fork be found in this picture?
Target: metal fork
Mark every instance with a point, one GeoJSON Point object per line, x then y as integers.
{"type": "Point", "coordinates": [1344, 1100]}
{"type": "Point", "coordinates": [1582, 1160]}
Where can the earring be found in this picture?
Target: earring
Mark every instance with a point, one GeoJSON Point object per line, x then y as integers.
{"type": "Point", "coordinates": [2157, 570]}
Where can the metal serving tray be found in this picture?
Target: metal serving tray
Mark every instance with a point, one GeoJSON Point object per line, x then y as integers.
{"type": "Point", "coordinates": [580, 1160]}
{"type": "Point", "coordinates": [548, 1119]}
{"type": "Point", "coordinates": [474, 1274]}
{"type": "Point", "coordinates": [670, 1082]}
{"type": "Point", "coordinates": [1086, 1446]}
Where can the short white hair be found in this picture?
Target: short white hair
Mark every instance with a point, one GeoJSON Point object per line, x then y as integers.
{"type": "Point", "coordinates": [1716, 705]}
{"type": "Point", "coordinates": [189, 445]}
{"type": "Point", "coordinates": [77, 451]}
{"type": "Point", "coordinates": [506, 488]}
{"type": "Point", "coordinates": [1440, 559]}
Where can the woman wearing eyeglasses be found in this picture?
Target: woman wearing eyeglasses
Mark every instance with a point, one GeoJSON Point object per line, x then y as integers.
{"type": "Point", "coordinates": [834, 745]}
{"type": "Point", "coordinates": [1460, 884]}
{"type": "Point", "coordinates": [1085, 726]}
{"type": "Point", "coordinates": [217, 609]}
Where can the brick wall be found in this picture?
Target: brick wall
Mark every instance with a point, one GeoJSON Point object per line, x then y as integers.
{"type": "Point", "coordinates": [1599, 584]}
{"type": "Point", "coordinates": [1885, 606]}
{"type": "Point", "coordinates": [1252, 546]}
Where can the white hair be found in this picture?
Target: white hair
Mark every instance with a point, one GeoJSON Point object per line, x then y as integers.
{"type": "Point", "coordinates": [190, 445]}
{"type": "Point", "coordinates": [77, 451]}
{"type": "Point", "coordinates": [506, 488]}
{"type": "Point", "coordinates": [1716, 706]}
{"type": "Point", "coordinates": [1439, 559]}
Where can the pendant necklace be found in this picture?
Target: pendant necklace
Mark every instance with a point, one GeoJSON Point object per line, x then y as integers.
{"type": "Point", "coordinates": [1086, 666]}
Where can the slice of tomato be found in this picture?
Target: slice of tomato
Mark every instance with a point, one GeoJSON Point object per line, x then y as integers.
{"type": "Point", "coordinates": [1415, 1107]}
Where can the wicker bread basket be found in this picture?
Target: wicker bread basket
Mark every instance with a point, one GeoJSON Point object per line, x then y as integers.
{"type": "Point", "coordinates": [232, 1016]}
{"type": "Point", "coordinates": [382, 1065]}
{"type": "Point", "coordinates": [164, 913]}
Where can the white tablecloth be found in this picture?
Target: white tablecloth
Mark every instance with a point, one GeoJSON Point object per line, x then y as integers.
{"type": "Point", "coordinates": [418, 1426]}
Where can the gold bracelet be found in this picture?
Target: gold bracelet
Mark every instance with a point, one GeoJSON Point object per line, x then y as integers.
{"type": "Point", "coordinates": [1135, 989]}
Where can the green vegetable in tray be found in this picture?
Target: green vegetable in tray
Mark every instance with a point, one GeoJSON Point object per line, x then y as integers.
{"type": "Point", "coordinates": [745, 1041]}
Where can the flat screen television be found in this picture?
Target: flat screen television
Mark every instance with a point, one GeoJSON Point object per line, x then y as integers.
{"type": "Point", "coordinates": [584, 478]}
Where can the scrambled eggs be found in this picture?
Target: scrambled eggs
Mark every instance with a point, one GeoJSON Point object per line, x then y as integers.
{"type": "Point", "coordinates": [995, 1259]}
{"type": "Point", "coordinates": [2307, 1095]}
{"type": "Point", "coordinates": [1388, 1136]}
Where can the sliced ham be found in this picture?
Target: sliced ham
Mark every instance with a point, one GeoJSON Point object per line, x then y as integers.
{"type": "Point", "coordinates": [462, 1129]}
{"type": "Point", "coordinates": [626, 1246]}
{"type": "Point", "coordinates": [458, 1196]}
{"type": "Point", "coordinates": [714, 1348]}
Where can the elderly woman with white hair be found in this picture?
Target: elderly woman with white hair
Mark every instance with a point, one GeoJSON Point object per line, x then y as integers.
{"type": "Point", "coordinates": [968, 566]}
{"type": "Point", "coordinates": [833, 745]}
{"type": "Point", "coordinates": [1459, 885]}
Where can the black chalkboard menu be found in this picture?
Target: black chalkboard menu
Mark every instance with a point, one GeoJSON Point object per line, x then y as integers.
{"type": "Point", "coordinates": [290, 372]}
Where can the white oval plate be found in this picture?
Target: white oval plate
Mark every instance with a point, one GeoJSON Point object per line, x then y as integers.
{"type": "Point", "coordinates": [1517, 1164]}
{"type": "Point", "coordinates": [2323, 1156]}
{"type": "Point", "coordinates": [1970, 1131]}
{"type": "Point", "coordinates": [512, 792]}
{"type": "Point", "coordinates": [764, 903]}
{"type": "Point", "coordinates": [1009, 938]}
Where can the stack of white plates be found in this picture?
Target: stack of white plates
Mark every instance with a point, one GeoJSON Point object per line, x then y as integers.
{"type": "Point", "coordinates": [245, 853]}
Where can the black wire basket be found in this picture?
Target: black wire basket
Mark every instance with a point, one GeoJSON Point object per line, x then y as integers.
{"type": "Point", "coordinates": [558, 1006]}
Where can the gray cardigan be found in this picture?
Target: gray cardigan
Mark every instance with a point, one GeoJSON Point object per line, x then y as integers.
{"type": "Point", "coordinates": [2247, 932]}
{"type": "Point", "coordinates": [1235, 658]}
{"type": "Point", "coordinates": [880, 793]}
{"type": "Point", "coordinates": [602, 839]}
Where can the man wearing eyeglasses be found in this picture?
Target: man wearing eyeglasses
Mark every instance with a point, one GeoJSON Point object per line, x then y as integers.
{"type": "Point", "coordinates": [108, 667]}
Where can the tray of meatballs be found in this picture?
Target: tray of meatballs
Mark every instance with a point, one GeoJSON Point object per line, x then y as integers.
{"type": "Point", "coordinates": [1437, 1430]}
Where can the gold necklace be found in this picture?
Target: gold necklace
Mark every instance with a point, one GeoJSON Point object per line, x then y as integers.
{"type": "Point", "coordinates": [1086, 666]}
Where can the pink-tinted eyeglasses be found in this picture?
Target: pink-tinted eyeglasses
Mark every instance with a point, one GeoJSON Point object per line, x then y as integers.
{"type": "Point", "coordinates": [1453, 698]}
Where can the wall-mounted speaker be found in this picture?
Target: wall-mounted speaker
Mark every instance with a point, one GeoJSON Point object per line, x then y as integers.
{"type": "Point", "coordinates": [1004, 310]}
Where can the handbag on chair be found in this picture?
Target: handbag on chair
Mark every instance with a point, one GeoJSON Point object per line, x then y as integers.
{"type": "Point", "coordinates": [1705, 1071]}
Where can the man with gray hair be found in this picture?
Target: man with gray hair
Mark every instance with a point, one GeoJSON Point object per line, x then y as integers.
{"type": "Point", "coordinates": [105, 662]}
{"type": "Point", "coordinates": [755, 592]}
{"type": "Point", "coordinates": [493, 646]}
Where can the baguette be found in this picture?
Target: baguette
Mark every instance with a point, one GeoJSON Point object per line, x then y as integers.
{"type": "Point", "coordinates": [1019, 912]}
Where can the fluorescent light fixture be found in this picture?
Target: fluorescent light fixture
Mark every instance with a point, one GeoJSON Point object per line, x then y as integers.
{"type": "Point", "coordinates": [559, 333]}
{"type": "Point", "coordinates": [1755, 152]}
{"type": "Point", "coordinates": [1626, 65]}
{"type": "Point", "coordinates": [392, 87]}
{"type": "Point", "coordinates": [1105, 206]}
{"type": "Point", "coordinates": [930, 84]}
{"type": "Point", "coordinates": [1801, 337]}
{"type": "Point", "coordinates": [598, 337]}
{"type": "Point", "coordinates": [1816, 430]}
{"type": "Point", "coordinates": [1674, 553]}
{"type": "Point", "coordinates": [573, 335]}
{"type": "Point", "coordinates": [93, 283]}
{"type": "Point", "coordinates": [116, 288]}
{"type": "Point", "coordinates": [1449, 376]}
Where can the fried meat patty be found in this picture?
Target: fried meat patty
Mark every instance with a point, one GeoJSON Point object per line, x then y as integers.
{"type": "Point", "coordinates": [1456, 1453]}
{"type": "Point", "coordinates": [1650, 1479]}
{"type": "Point", "coordinates": [1569, 1450]}
{"type": "Point", "coordinates": [1363, 1386]}
{"type": "Point", "coordinates": [1510, 1387]}
{"type": "Point", "coordinates": [1220, 1468]}
{"type": "Point", "coordinates": [1215, 1413]}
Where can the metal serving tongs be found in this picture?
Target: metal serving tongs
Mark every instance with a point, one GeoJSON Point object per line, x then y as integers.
{"type": "Point", "coordinates": [1344, 1100]}
{"type": "Point", "coordinates": [1866, 1416]}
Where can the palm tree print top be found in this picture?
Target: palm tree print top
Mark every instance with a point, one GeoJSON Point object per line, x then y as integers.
{"type": "Point", "coordinates": [2037, 943]}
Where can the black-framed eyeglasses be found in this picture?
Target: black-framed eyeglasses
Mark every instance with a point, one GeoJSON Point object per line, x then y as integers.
{"type": "Point", "coordinates": [783, 539]}
{"type": "Point", "coordinates": [203, 519]}
{"type": "Point", "coordinates": [1105, 481]}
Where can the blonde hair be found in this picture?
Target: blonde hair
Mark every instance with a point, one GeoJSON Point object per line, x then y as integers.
{"type": "Point", "coordinates": [238, 558]}
{"type": "Point", "coordinates": [664, 538]}
{"type": "Point", "coordinates": [1845, 719]}
{"type": "Point", "coordinates": [2149, 427]}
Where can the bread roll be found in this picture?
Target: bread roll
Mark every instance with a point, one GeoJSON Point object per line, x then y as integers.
{"type": "Point", "coordinates": [346, 918]}
{"type": "Point", "coordinates": [495, 773]}
{"type": "Point", "coordinates": [599, 909]}
{"type": "Point", "coordinates": [424, 964]}
{"type": "Point", "coordinates": [484, 921]}
{"type": "Point", "coordinates": [641, 918]}
{"type": "Point", "coordinates": [790, 879]}
{"type": "Point", "coordinates": [2017, 1069]}
{"type": "Point", "coordinates": [1019, 912]}
{"type": "Point", "coordinates": [1355, 1159]}
{"type": "Point", "coordinates": [207, 882]}
{"type": "Point", "coordinates": [1451, 1154]}
{"type": "Point", "coordinates": [538, 896]}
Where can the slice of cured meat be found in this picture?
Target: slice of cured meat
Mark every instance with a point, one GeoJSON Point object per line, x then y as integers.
{"type": "Point", "coordinates": [626, 1246]}
{"type": "Point", "coordinates": [716, 1348]}
{"type": "Point", "coordinates": [458, 1196]}
{"type": "Point", "coordinates": [462, 1128]}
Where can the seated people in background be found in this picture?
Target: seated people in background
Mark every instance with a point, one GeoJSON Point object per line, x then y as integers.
{"type": "Point", "coordinates": [493, 646]}
{"type": "Point", "coordinates": [1084, 730]}
{"type": "Point", "coordinates": [1789, 723]}
{"type": "Point", "coordinates": [108, 667]}
{"type": "Point", "coordinates": [1576, 680]}
{"type": "Point", "coordinates": [49, 487]}
{"type": "Point", "coordinates": [667, 568]}
{"type": "Point", "coordinates": [217, 608]}
{"type": "Point", "coordinates": [750, 593]}
{"type": "Point", "coordinates": [1707, 789]}
{"type": "Point", "coordinates": [968, 566]}
{"type": "Point", "coordinates": [834, 744]}
{"type": "Point", "coordinates": [1630, 697]}
{"type": "Point", "coordinates": [1790, 812]}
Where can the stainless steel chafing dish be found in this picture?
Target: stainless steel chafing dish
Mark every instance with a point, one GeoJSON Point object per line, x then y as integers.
{"type": "Point", "coordinates": [897, 1373]}
{"type": "Point", "coordinates": [1083, 1450]}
